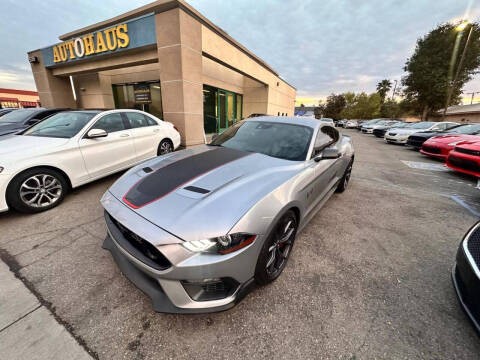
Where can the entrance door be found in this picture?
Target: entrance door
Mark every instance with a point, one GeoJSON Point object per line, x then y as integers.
{"type": "Point", "coordinates": [226, 110]}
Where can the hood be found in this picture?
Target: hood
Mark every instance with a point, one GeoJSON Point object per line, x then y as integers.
{"type": "Point", "coordinates": [14, 146]}
{"type": "Point", "coordinates": [406, 131]}
{"type": "Point", "coordinates": [470, 145]}
{"type": "Point", "coordinates": [447, 139]}
{"type": "Point", "coordinates": [196, 194]}
{"type": "Point", "coordinates": [8, 128]}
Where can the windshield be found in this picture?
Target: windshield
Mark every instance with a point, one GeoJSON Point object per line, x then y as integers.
{"type": "Point", "coordinates": [422, 125]}
{"type": "Point", "coordinates": [473, 129]}
{"type": "Point", "coordinates": [284, 141]}
{"type": "Point", "coordinates": [18, 116]}
{"type": "Point", "coordinates": [61, 125]}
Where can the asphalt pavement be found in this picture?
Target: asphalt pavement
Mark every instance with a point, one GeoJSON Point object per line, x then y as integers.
{"type": "Point", "coordinates": [368, 278]}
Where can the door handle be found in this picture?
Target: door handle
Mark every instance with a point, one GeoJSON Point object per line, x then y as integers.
{"type": "Point", "coordinates": [124, 135]}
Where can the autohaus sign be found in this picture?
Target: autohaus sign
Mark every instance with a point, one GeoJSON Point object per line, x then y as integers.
{"type": "Point", "coordinates": [132, 34]}
{"type": "Point", "coordinates": [100, 42]}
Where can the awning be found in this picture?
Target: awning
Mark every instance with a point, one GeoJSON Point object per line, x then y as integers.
{"type": "Point", "coordinates": [29, 103]}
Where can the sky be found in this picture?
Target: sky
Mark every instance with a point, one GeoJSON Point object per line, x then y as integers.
{"type": "Point", "coordinates": [320, 47]}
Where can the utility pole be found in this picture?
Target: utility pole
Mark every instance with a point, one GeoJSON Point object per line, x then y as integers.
{"type": "Point", "coordinates": [394, 89]}
{"type": "Point", "coordinates": [473, 94]}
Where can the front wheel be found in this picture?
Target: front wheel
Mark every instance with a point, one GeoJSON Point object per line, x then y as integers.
{"type": "Point", "coordinates": [36, 190]}
{"type": "Point", "coordinates": [276, 249]}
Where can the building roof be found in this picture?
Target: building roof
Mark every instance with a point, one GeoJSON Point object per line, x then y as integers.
{"type": "Point", "coordinates": [18, 92]}
{"type": "Point", "coordinates": [462, 109]}
{"type": "Point", "coordinates": [161, 6]}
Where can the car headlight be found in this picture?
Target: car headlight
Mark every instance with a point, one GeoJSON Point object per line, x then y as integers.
{"type": "Point", "coordinates": [223, 244]}
{"type": "Point", "coordinates": [455, 143]}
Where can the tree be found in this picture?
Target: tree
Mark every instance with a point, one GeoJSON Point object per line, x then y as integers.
{"type": "Point", "coordinates": [361, 106]}
{"type": "Point", "coordinates": [431, 67]}
{"type": "Point", "coordinates": [390, 109]}
{"type": "Point", "coordinates": [383, 87]}
{"type": "Point", "coordinates": [334, 106]}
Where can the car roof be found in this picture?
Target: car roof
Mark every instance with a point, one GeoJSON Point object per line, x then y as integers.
{"type": "Point", "coordinates": [296, 120]}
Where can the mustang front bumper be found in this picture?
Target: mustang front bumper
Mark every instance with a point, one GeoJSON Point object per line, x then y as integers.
{"type": "Point", "coordinates": [177, 280]}
{"type": "Point", "coordinates": [466, 276]}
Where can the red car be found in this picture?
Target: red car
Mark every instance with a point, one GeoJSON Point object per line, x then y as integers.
{"type": "Point", "coordinates": [440, 146]}
{"type": "Point", "coordinates": [465, 158]}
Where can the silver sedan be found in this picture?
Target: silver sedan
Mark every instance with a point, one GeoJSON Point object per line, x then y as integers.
{"type": "Point", "coordinates": [197, 229]}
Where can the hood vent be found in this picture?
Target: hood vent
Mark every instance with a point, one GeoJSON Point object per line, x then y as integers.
{"type": "Point", "coordinates": [197, 189]}
{"type": "Point", "coordinates": [147, 169]}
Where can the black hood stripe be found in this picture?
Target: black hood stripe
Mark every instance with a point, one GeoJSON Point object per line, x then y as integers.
{"type": "Point", "coordinates": [169, 178]}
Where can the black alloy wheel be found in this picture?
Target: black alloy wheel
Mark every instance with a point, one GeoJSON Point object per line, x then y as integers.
{"type": "Point", "coordinates": [276, 249]}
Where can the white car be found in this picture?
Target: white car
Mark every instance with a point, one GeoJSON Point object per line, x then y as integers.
{"type": "Point", "coordinates": [72, 148]}
{"type": "Point", "coordinates": [351, 124]}
{"type": "Point", "coordinates": [400, 136]}
{"type": "Point", "coordinates": [327, 121]}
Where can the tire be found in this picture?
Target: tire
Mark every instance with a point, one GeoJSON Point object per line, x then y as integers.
{"type": "Point", "coordinates": [165, 147]}
{"type": "Point", "coordinates": [36, 190]}
{"type": "Point", "coordinates": [282, 239]}
{"type": "Point", "coordinates": [345, 178]}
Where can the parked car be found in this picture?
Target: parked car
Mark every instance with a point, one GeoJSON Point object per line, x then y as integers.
{"type": "Point", "coordinates": [5, 111]}
{"type": "Point", "coordinates": [369, 122]}
{"type": "Point", "coordinates": [381, 130]}
{"type": "Point", "coordinates": [416, 140]}
{"type": "Point", "coordinates": [466, 276]}
{"type": "Point", "coordinates": [351, 124]}
{"type": "Point", "coordinates": [368, 129]}
{"type": "Point", "coordinates": [327, 121]}
{"type": "Point", "coordinates": [72, 148]}
{"type": "Point", "coordinates": [400, 136]}
{"type": "Point", "coordinates": [23, 118]}
{"type": "Point", "coordinates": [440, 146]}
{"type": "Point", "coordinates": [465, 158]}
{"type": "Point", "coordinates": [262, 180]}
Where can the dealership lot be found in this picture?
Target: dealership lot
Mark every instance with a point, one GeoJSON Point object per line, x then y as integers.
{"type": "Point", "coordinates": [369, 277]}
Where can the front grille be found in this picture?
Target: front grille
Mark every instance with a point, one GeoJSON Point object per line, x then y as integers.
{"type": "Point", "coordinates": [431, 149]}
{"type": "Point", "coordinates": [152, 256]}
{"type": "Point", "coordinates": [467, 151]}
{"type": "Point", "coordinates": [466, 164]}
{"type": "Point", "coordinates": [415, 141]}
{"type": "Point", "coordinates": [473, 245]}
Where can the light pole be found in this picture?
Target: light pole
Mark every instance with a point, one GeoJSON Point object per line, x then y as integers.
{"type": "Point", "coordinates": [459, 28]}
{"type": "Point", "coordinates": [394, 89]}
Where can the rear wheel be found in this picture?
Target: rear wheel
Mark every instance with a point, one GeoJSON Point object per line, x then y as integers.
{"type": "Point", "coordinates": [36, 190]}
{"type": "Point", "coordinates": [165, 147]}
{"type": "Point", "coordinates": [276, 249]}
{"type": "Point", "coordinates": [346, 178]}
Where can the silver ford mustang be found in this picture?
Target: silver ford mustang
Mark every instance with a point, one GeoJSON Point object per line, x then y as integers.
{"type": "Point", "coordinates": [197, 229]}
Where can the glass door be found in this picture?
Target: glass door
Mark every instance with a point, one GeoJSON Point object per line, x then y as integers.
{"type": "Point", "coordinates": [222, 111]}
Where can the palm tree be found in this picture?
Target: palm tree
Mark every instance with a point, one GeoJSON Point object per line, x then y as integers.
{"type": "Point", "coordinates": [383, 87]}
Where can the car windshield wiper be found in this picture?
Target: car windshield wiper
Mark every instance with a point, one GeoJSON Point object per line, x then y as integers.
{"type": "Point", "coordinates": [215, 145]}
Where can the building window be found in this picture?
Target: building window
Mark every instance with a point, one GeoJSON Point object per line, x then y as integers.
{"type": "Point", "coordinates": [221, 109]}
{"type": "Point", "coordinates": [149, 99]}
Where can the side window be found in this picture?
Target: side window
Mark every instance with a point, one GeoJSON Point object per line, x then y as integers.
{"type": "Point", "coordinates": [151, 122]}
{"type": "Point", "coordinates": [326, 136]}
{"type": "Point", "coordinates": [110, 123]}
{"type": "Point", "coordinates": [137, 120]}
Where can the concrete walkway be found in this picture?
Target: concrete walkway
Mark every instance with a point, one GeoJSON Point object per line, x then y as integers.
{"type": "Point", "coordinates": [27, 329]}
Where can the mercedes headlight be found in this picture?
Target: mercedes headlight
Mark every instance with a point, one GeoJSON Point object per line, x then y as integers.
{"type": "Point", "coordinates": [222, 245]}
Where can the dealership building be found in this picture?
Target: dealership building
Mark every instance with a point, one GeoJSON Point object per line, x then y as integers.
{"type": "Point", "coordinates": [167, 59]}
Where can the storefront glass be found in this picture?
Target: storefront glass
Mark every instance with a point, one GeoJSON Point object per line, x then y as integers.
{"type": "Point", "coordinates": [221, 109]}
{"type": "Point", "coordinates": [144, 96]}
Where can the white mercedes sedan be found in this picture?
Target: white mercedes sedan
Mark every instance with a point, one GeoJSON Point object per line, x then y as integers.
{"type": "Point", "coordinates": [39, 165]}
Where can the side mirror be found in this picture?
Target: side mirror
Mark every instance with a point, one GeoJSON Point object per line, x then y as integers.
{"type": "Point", "coordinates": [328, 153]}
{"type": "Point", "coordinates": [96, 133]}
